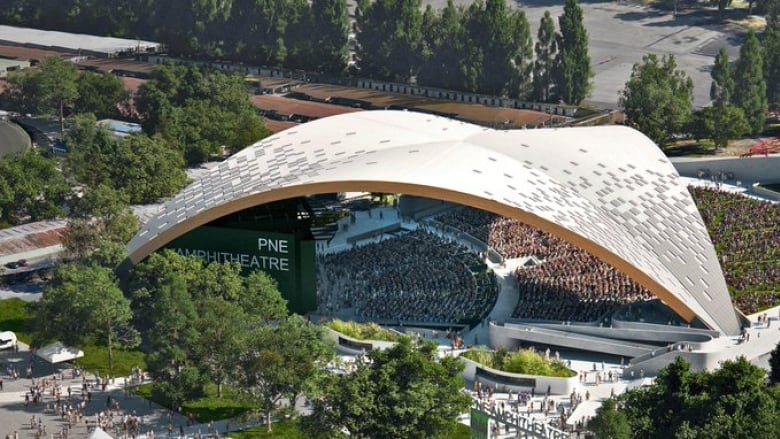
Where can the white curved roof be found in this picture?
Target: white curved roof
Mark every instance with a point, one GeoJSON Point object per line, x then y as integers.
{"type": "Point", "coordinates": [608, 190]}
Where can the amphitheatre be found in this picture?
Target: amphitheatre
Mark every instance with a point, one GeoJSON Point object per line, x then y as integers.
{"type": "Point", "coordinates": [606, 190]}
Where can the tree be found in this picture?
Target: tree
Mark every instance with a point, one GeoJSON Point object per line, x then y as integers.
{"type": "Point", "coordinates": [331, 28]}
{"type": "Point", "coordinates": [220, 328]}
{"type": "Point", "coordinates": [732, 401]}
{"type": "Point", "coordinates": [722, 5]}
{"type": "Point", "coordinates": [90, 152]}
{"type": "Point", "coordinates": [100, 93]}
{"type": "Point", "coordinates": [143, 167]}
{"type": "Point", "coordinates": [173, 339]}
{"type": "Point", "coordinates": [720, 123]}
{"type": "Point", "coordinates": [49, 89]}
{"type": "Point", "coordinates": [277, 363]}
{"type": "Point", "coordinates": [774, 365]}
{"type": "Point", "coordinates": [99, 218]}
{"type": "Point", "coordinates": [444, 44]}
{"type": "Point", "coordinates": [31, 189]}
{"type": "Point", "coordinates": [390, 40]}
{"type": "Point", "coordinates": [771, 55]}
{"type": "Point", "coordinates": [750, 84]}
{"type": "Point", "coordinates": [500, 49]}
{"type": "Point", "coordinates": [147, 169]}
{"type": "Point", "coordinates": [261, 299]}
{"type": "Point", "coordinates": [609, 423]}
{"type": "Point", "coordinates": [404, 391]}
{"type": "Point", "coordinates": [658, 97]}
{"type": "Point", "coordinates": [84, 303]}
{"type": "Point", "coordinates": [574, 77]}
{"type": "Point", "coordinates": [199, 111]}
{"type": "Point", "coordinates": [545, 66]}
{"type": "Point", "coordinates": [722, 87]}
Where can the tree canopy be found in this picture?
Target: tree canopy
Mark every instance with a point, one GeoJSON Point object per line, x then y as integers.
{"type": "Point", "coordinates": [750, 84]}
{"type": "Point", "coordinates": [733, 401]}
{"type": "Point", "coordinates": [199, 111]}
{"type": "Point", "coordinates": [485, 47]}
{"type": "Point", "coordinates": [99, 222]}
{"type": "Point", "coordinates": [31, 189]}
{"type": "Point", "coordinates": [142, 167]}
{"type": "Point", "coordinates": [198, 318]}
{"type": "Point", "coordinates": [50, 89]}
{"type": "Point", "coordinates": [658, 97]}
{"type": "Point", "coordinates": [404, 391]}
{"type": "Point", "coordinates": [83, 303]}
{"type": "Point", "coordinates": [277, 363]}
{"type": "Point", "coordinates": [575, 73]}
{"type": "Point", "coordinates": [390, 39]}
{"type": "Point", "coordinates": [546, 63]}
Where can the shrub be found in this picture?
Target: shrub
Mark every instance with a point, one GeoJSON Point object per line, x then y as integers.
{"type": "Point", "coordinates": [363, 331]}
{"type": "Point", "coordinates": [524, 361]}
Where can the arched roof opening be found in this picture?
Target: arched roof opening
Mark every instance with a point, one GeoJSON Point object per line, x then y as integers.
{"type": "Point", "coordinates": [608, 190]}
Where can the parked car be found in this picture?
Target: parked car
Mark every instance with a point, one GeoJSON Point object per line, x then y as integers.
{"type": "Point", "coordinates": [16, 264]}
{"type": "Point", "coordinates": [7, 340]}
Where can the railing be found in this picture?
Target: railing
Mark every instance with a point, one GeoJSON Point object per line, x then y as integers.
{"type": "Point", "coordinates": [522, 424]}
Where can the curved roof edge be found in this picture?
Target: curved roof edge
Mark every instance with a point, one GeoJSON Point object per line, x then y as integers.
{"type": "Point", "coordinates": [608, 190]}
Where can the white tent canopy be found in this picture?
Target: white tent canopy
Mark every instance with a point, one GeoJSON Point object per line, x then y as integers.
{"type": "Point", "coordinates": [58, 352]}
{"type": "Point", "coordinates": [98, 433]}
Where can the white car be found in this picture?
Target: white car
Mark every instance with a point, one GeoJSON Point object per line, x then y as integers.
{"type": "Point", "coordinates": [7, 340]}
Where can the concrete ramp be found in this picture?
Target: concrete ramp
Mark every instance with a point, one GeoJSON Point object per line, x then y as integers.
{"type": "Point", "coordinates": [510, 335]}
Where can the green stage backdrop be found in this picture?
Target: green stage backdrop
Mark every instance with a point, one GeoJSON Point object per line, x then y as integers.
{"type": "Point", "coordinates": [288, 259]}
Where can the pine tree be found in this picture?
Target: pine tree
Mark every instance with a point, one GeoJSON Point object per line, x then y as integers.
{"type": "Point", "coordinates": [329, 32]}
{"type": "Point", "coordinates": [722, 121]}
{"type": "Point", "coordinates": [444, 41]}
{"type": "Point", "coordinates": [499, 49]}
{"type": "Point", "coordinates": [722, 86]}
{"type": "Point", "coordinates": [545, 65]}
{"type": "Point", "coordinates": [390, 37]}
{"type": "Point", "coordinates": [771, 52]}
{"type": "Point", "coordinates": [750, 85]}
{"type": "Point", "coordinates": [575, 73]}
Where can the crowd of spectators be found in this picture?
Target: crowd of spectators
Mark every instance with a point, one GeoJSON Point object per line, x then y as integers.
{"type": "Point", "coordinates": [746, 235]}
{"type": "Point", "coordinates": [509, 237]}
{"type": "Point", "coordinates": [569, 284]}
{"type": "Point", "coordinates": [416, 277]}
{"type": "Point", "coordinates": [420, 277]}
{"type": "Point", "coordinates": [573, 286]}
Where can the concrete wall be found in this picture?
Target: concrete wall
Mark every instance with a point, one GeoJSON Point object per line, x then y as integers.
{"type": "Point", "coordinates": [558, 386]}
{"type": "Point", "coordinates": [748, 170]}
{"type": "Point", "coordinates": [511, 336]}
{"type": "Point", "coordinates": [370, 344]}
{"type": "Point", "coordinates": [650, 367]}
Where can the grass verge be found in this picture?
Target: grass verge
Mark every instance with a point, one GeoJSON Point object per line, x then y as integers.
{"type": "Point", "coordinates": [15, 315]}
{"type": "Point", "coordinates": [96, 360]}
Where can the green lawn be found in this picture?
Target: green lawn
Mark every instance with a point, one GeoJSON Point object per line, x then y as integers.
{"type": "Point", "coordinates": [96, 359]}
{"type": "Point", "coordinates": [15, 316]}
{"type": "Point", "coordinates": [281, 430]}
{"type": "Point", "coordinates": [209, 408]}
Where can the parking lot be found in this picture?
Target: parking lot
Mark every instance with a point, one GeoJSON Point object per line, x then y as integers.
{"type": "Point", "coordinates": [622, 32]}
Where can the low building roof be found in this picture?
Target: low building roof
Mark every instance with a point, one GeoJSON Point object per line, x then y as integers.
{"type": "Point", "coordinates": [73, 42]}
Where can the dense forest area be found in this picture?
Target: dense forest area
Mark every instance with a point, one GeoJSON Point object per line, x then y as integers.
{"type": "Point", "coordinates": [484, 48]}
